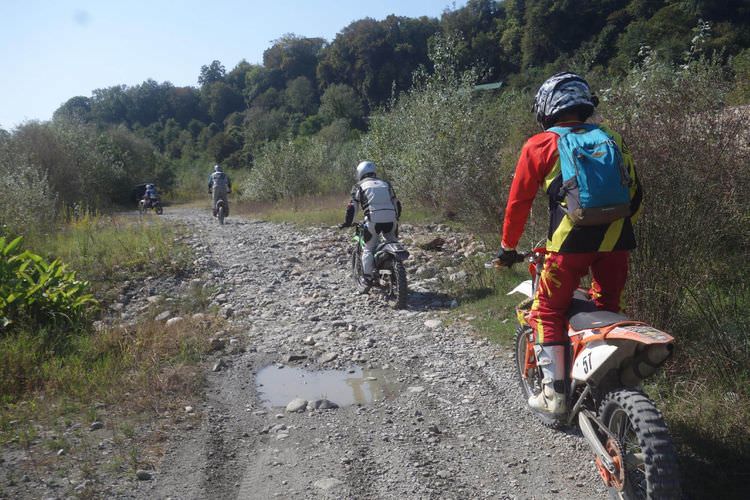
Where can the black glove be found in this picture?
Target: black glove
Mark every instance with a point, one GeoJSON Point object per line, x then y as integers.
{"type": "Point", "coordinates": [507, 258]}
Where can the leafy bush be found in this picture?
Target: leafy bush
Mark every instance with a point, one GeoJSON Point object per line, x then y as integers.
{"type": "Point", "coordinates": [36, 292]}
{"type": "Point", "coordinates": [691, 153]}
{"type": "Point", "coordinates": [444, 146]}
{"type": "Point", "coordinates": [27, 201]}
{"type": "Point", "coordinates": [316, 165]}
{"type": "Point", "coordinates": [46, 166]}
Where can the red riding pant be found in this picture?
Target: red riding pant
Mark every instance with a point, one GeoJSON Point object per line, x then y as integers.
{"type": "Point", "coordinates": [561, 276]}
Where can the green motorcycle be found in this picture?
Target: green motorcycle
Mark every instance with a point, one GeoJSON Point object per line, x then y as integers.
{"type": "Point", "coordinates": [390, 273]}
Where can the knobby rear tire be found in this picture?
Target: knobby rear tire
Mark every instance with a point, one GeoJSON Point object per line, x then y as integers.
{"type": "Point", "coordinates": [220, 214]}
{"type": "Point", "coordinates": [159, 209]}
{"type": "Point", "coordinates": [640, 428]}
{"type": "Point", "coordinates": [400, 287]}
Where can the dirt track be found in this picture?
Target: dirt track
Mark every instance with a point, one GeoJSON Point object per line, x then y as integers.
{"type": "Point", "coordinates": [449, 423]}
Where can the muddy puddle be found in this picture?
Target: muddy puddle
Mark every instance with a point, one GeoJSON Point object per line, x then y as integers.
{"type": "Point", "coordinates": [277, 387]}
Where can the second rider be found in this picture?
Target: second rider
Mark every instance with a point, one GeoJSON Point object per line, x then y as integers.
{"type": "Point", "coordinates": [381, 209]}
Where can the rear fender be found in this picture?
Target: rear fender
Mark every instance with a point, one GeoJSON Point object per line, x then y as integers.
{"type": "Point", "coordinates": [641, 333]}
{"type": "Point", "coordinates": [395, 250]}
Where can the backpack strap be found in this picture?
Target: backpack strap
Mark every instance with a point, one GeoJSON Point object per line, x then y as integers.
{"type": "Point", "coordinates": [563, 131]}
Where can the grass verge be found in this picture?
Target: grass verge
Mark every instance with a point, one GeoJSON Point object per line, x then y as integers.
{"type": "Point", "coordinates": [107, 250]}
{"type": "Point", "coordinates": [484, 299]}
{"type": "Point", "coordinates": [127, 377]}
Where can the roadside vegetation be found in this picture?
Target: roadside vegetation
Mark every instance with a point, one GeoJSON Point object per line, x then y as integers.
{"type": "Point", "coordinates": [60, 370]}
{"type": "Point", "coordinates": [672, 78]}
{"type": "Point", "coordinates": [688, 276]}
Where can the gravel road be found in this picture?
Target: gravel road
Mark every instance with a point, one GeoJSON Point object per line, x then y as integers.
{"type": "Point", "coordinates": [448, 420]}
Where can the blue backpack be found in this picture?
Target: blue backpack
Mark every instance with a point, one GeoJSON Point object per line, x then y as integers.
{"type": "Point", "coordinates": [596, 185]}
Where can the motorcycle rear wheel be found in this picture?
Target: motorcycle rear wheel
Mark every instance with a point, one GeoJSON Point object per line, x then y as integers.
{"type": "Point", "coordinates": [650, 459]}
{"type": "Point", "coordinates": [159, 209]}
{"type": "Point", "coordinates": [399, 289]}
{"type": "Point", "coordinates": [532, 384]}
{"type": "Point", "coordinates": [220, 213]}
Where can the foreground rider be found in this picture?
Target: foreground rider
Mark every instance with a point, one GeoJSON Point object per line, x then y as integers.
{"type": "Point", "coordinates": [219, 185]}
{"type": "Point", "coordinates": [565, 101]}
{"type": "Point", "coordinates": [381, 211]}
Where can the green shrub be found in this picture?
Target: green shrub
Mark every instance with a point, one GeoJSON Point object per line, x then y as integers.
{"type": "Point", "coordinates": [27, 202]}
{"type": "Point", "coordinates": [36, 292]}
{"type": "Point", "coordinates": [318, 165]}
{"type": "Point", "coordinates": [691, 154]}
{"type": "Point", "coordinates": [445, 145]}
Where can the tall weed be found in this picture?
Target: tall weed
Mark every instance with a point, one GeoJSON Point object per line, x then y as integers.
{"type": "Point", "coordinates": [27, 202]}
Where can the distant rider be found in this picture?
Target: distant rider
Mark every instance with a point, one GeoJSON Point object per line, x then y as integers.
{"type": "Point", "coordinates": [565, 101]}
{"type": "Point", "coordinates": [150, 195]}
{"type": "Point", "coordinates": [219, 185]}
{"type": "Point", "coordinates": [381, 211]}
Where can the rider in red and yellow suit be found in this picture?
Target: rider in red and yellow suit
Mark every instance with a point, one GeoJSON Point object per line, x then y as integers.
{"type": "Point", "coordinates": [573, 250]}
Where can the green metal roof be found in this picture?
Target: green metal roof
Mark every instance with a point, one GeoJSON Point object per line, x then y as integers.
{"type": "Point", "coordinates": [489, 86]}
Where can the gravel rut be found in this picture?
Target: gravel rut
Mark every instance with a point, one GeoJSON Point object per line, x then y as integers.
{"type": "Point", "coordinates": [453, 424]}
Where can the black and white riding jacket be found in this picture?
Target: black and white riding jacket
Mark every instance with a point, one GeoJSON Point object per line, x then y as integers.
{"type": "Point", "coordinates": [377, 200]}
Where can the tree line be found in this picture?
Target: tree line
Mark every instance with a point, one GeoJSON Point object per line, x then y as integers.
{"type": "Point", "coordinates": [306, 84]}
{"type": "Point", "coordinates": [312, 99]}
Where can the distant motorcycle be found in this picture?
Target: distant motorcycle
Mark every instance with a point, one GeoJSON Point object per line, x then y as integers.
{"type": "Point", "coordinates": [390, 273]}
{"type": "Point", "coordinates": [221, 211]}
{"type": "Point", "coordinates": [147, 203]}
{"type": "Point", "coordinates": [610, 355]}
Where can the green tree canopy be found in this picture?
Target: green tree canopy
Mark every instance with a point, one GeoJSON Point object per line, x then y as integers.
{"type": "Point", "coordinates": [211, 73]}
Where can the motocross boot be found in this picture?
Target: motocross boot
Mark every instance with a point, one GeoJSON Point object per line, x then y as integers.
{"type": "Point", "coordinates": [551, 399]}
{"type": "Point", "coordinates": [368, 283]}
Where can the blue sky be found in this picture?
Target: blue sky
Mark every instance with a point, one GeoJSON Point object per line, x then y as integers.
{"type": "Point", "coordinates": [53, 50]}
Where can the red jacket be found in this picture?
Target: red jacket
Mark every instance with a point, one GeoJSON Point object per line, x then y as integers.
{"type": "Point", "coordinates": [539, 167]}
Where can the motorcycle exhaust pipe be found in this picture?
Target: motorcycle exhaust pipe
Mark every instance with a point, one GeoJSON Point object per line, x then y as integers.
{"type": "Point", "coordinates": [645, 364]}
{"type": "Point", "coordinates": [587, 429]}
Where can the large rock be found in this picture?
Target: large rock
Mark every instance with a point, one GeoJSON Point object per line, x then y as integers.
{"type": "Point", "coordinates": [163, 316]}
{"type": "Point", "coordinates": [328, 357]}
{"type": "Point", "coordinates": [432, 324]}
{"type": "Point", "coordinates": [143, 475]}
{"type": "Point", "coordinates": [174, 321]}
{"type": "Point", "coordinates": [296, 405]}
{"type": "Point", "coordinates": [430, 243]}
{"type": "Point", "coordinates": [322, 404]}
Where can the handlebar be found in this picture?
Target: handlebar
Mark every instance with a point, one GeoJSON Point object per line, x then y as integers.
{"type": "Point", "coordinates": [496, 264]}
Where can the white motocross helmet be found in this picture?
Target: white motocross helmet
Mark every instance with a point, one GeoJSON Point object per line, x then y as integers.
{"type": "Point", "coordinates": [217, 168]}
{"type": "Point", "coordinates": [365, 168]}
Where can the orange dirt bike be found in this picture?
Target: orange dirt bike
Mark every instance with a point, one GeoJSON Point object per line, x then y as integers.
{"type": "Point", "coordinates": [609, 356]}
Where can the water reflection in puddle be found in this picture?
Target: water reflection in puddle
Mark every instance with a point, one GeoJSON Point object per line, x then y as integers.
{"type": "Point", "coordinates": [277, 387]}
